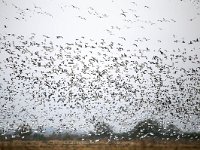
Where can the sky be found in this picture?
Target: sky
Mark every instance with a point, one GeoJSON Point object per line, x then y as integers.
{"type": "Point", "coordinates": [70, 64]}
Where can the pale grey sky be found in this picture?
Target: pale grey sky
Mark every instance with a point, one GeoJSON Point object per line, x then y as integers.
{"type": "Point", "coordinates": [143, 29]}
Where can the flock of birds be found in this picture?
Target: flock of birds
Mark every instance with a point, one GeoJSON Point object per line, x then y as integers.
{"type": "Point", "coordinates": [47, 80]}
{"type": "Point", "coordinates": [94, 78]}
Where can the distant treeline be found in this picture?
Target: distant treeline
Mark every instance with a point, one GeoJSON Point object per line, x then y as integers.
{"type": "Point", "coordinates": [148, 129]}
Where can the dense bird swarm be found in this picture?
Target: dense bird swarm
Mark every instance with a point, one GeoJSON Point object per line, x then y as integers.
{"type": "Point", "coordinates": [74, 84]}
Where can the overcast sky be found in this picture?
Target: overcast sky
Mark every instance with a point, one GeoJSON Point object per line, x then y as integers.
{"type": "Point", "coordinates": [167, 29]}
